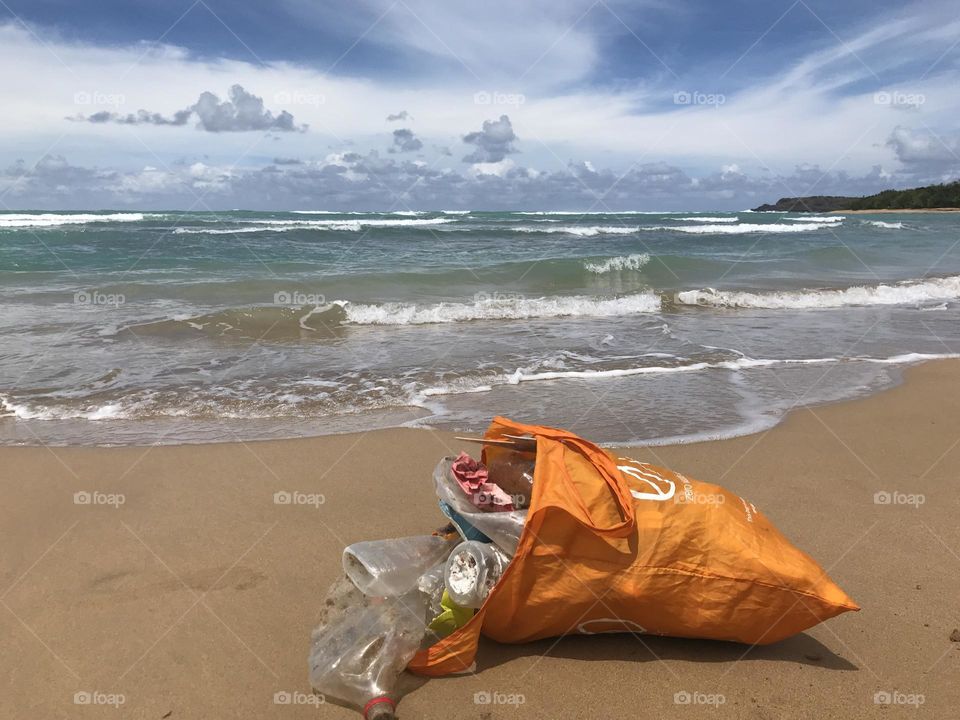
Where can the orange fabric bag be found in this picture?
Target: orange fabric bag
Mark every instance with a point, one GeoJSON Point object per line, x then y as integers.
{"type": "Point", "coordinates": [616, 545]}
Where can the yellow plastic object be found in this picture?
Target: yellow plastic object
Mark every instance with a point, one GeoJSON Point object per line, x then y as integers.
{"type": "Point", "coordinates": [452, 617]}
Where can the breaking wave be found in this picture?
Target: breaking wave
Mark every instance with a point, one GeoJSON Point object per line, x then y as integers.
{"type": "Point", "coordinates": [585, 231]}
{"type": "Point", "coordinates": [27, 220]}
{"type": "Point", "coordinates": [882, 224]}
{"type": "Point", "coordinates": [288, 225]}
{"type": "Point", "coordinates": [501, 307]}
{"type": "Point", "coordinates": [738, 228]}
{"type": "Point", "coordinates": [586, 212]}
{"type": "Point", "coordinates": [617, 264]}
{"type": "Point", "coordinates": [705, 219]}
{"type": "Point", "coordinates": [280, 323]}
{"type": "Point", "coordinates": [407, 213]}
{"type": "Point", "coordinates": [906, 292]}
{"type": "Point", "coordinates": [268, 322]}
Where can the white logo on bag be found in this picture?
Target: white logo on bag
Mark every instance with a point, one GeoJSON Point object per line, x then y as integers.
{"type": "Point", "coordinates": [642, 473]}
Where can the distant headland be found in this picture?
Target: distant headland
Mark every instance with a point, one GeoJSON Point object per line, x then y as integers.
{"type": "Point", "coordinates": [928, 198]}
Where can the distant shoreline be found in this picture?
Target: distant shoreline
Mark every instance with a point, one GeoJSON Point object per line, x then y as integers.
{"type": "Point", "coordinates": [930, 198]}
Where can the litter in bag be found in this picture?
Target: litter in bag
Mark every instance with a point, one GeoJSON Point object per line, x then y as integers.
{"type": "Point", "coordinates": [611, 544]}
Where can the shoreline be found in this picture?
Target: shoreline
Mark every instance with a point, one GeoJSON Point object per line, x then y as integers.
{"type": "Point", "coordinates": [198, 573]}
{"type": "Point", "coordinates": [170, 432]}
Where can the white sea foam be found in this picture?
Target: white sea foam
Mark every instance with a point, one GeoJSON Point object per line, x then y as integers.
{"type": "Point", "coordinates": [912, 357]}
{"type": "Point", "coordinates": [882, 224]}
{"type": "Point", "coordinates": [617, 264]}
{"type": "Point", "coordinates": [26, 220]}
{"type": "Point", "coordinates": [705, 219]}
{"type": "Point", "coordinates": [454, 390]}
{"type": "Point", "coordinates": [587, 212]}
{"type": "Point", "coordinates": [365, 222]}
{"type": "Point", "coordinates": [581, 231]}
{"type": "Point", "coordinates": [228, 231]}
{"type": "Point", "coordinates": [738, 364]}
{"type": "Point", "coordinates": [290, 225]}
{"type": "Point", "coordinates": [902, 293]}
{"type": "Point", "coordinates": [818, 219]}
{"type": "Point", "coordinates": [361, 212]}
{"type": "Point", "coordinates": [738, 228]}
{"type": "Point", "coordinates": [23, 411]}
{"type": "Point", "coordinates": [744, 363]}
{"type": "Point", "coordinates": [500, 308]}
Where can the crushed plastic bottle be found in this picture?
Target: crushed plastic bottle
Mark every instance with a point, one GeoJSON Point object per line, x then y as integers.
{"type": "Point", "coordinates": [387, 568]}
{"type": "Point", "coordinates": [362, 645]}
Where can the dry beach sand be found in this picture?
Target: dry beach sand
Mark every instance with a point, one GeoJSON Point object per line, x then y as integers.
{"type": "Point", "coordinates": [195, 598]}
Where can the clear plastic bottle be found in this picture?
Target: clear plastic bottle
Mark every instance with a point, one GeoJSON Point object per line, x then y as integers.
{"type": "Point", "coordinates": [362, 646]}
{"type": "Point", "coordinates": [387, 568]}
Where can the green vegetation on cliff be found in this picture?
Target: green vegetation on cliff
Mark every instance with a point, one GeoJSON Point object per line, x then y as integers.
{"type": "Point", "coordinates": [931, 196]}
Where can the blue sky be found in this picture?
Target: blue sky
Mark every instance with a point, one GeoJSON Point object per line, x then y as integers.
{"type": "Point", "coordinates": [412, 104]}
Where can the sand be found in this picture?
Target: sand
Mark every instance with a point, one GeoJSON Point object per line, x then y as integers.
{"type": "Point", "coordinates": [195, 596]}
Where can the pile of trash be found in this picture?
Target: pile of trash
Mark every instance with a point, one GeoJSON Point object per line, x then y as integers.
{"type": "Point", "coordinates": [550, 535]}
{"type": "Point", "coordinates": [402, 595]}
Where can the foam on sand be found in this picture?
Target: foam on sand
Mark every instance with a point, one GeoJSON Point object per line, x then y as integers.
{"type": "Point", "coordinates": [744, 363]}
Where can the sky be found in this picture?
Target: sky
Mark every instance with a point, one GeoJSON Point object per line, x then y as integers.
{"type": "Point", "coordinates": [413, 104]}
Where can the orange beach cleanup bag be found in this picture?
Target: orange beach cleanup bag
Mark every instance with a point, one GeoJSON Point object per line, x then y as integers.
{"type": "Point", "coordinates": [616, 545]}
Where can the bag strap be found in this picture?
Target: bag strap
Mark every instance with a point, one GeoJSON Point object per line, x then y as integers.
{"type": "Point", "coordinates": [606, 468]}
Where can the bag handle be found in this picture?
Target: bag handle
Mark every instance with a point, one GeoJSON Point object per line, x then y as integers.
{"type": "Point", "coordinates": [606, 469]}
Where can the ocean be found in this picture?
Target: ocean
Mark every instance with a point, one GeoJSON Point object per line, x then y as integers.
{"type": "Point", "coordinates": [629, 328]}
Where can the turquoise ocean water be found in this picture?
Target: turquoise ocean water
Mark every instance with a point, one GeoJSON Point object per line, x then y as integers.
{"type": "Point", "coordinates": [125, 327]}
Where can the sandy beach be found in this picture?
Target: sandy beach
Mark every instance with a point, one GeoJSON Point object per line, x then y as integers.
{"type": "Point", "coordinates": [182, 590]}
